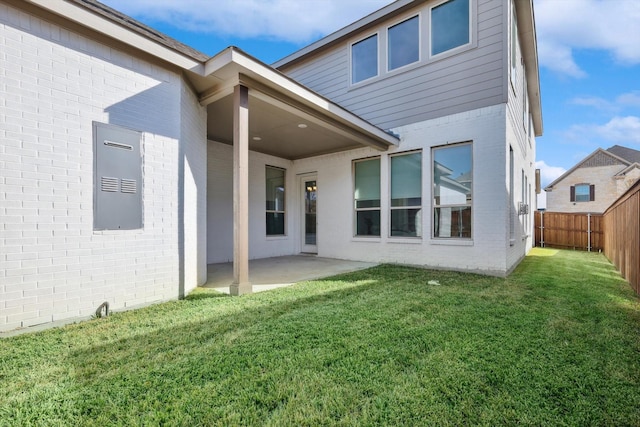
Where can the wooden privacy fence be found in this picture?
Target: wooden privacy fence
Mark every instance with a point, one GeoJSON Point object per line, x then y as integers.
{"type": "Point", "coordinates": [622, 235]}
{"type": "Point", "coordinates": [569, 231]}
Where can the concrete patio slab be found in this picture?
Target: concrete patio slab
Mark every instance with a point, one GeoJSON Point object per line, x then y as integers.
{"type": "Point", "coordinates": [272, 273]}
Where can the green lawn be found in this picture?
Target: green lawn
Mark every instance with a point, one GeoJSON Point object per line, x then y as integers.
{"type": "Point", "coordinates": [556, 343]}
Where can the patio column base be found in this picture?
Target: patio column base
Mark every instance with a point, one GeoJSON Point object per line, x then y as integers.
{"type": "Point", "coordinates": [237, 289]}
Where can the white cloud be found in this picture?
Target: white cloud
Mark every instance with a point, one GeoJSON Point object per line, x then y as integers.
{"type": "Point", "coordinates": [631, 99]}
{"type": "Point", "coordinates": [593, 101]}
{"type": "Point", "coordinates": [296, 21]}
{"type": "Point", "coordinates": [620, 129]}
{"type": "Point", "coordinates": [566, 25]}
{"type": "Point", "coordinates": [548, 174]}
{"type": "Point", "coordinates": [626, 101]}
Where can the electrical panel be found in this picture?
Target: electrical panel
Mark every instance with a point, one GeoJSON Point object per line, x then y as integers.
{"type": "Point", "coordinates": [117, 183]}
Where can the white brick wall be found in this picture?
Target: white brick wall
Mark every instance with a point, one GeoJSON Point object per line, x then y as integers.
{"type": "Point", "coordinates": [53, 85]}
{"type": "Point", "coordinates": [487, 252]}
{"type": "Point", "coordinates": [194, 165]}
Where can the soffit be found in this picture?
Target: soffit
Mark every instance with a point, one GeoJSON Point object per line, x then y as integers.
{"type": "Point", "coordinates": [277, 129]}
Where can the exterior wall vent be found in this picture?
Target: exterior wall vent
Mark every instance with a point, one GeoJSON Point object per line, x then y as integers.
{"type": "Point", "coordinates": [129, 186]}
{"type": "Point", "coordinates": [108, 183]}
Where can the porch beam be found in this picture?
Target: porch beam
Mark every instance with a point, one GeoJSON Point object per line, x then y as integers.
{"type": "Point", "coordinates": [241, 284]}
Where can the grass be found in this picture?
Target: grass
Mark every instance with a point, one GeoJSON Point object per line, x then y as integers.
{"type": "Point", "coordinates": [556, 343]}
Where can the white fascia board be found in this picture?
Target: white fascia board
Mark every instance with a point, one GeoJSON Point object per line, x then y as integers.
{"type": "Point", "coordinates": [274, 78]}
{"type": "Point", "coordinates": [527, 35]}
{"type": "Point", "coordinates": [91, 20]}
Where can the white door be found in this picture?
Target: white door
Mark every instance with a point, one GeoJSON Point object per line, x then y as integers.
{"type": "Point", "coordinates": [309, 187]}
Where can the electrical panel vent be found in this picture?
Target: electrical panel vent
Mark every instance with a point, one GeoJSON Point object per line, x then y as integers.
{"type": "Point", "coordinates": [129, 186]}
{"type": "Point", "coordinates": [118, 145]}
{"type": "Point", "coordinates": [108, 183]}
{"type": "Point", "coordinates": [117, 196]}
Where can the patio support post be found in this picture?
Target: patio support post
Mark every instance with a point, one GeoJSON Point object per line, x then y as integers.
{"type": "Point", "coordinates": [241, 284]}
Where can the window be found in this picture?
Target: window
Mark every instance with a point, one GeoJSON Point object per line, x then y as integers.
{"type": "Point", "coordinates": [275, 200]}
{"type": "Point", "coordinates": [449, 26]}
{"type": "Point", "coordinates": [582, 193]}
{"type": "Point", "coordinates": [364, 59]}
{"type": "Point", "coordinates": [404, 43]}
{"type": "Point", "coordinates": [452, 188]}
{"type": "Point", "coordinates": [406, 195]}
{"type": "Point", "coordinates": [525, 101]}
{"type": "Point", "coordinates": [514, 43]}
{"type": "Point", "coordinates": [512, 221]}
{"type": "Point", "coordinates": [366, 196]}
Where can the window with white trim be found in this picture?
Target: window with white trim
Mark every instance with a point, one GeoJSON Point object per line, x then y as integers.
{"type": "Point", "coordinates": [364, 59]}
{"type": "Point", "coordinates": [275, 187]}
{"type": "Point", "coordinates": [366, 195]}
{"type": "Point", "coordinates": [452, 190]}
{"type": "Point", "coordinates": [512, 196]}
{"type": "Point", "coordinates": [514, 43]}
{"type": "Point", "coordinates": [406, 195]}
{"type": "Point", "coordinates": [403, 41]}
{"type": "Point", "coordinates": [450, 25]}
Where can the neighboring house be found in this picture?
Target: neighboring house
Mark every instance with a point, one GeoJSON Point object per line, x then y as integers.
{"type": "Point", "coordinates": [130, 161]}
{"type": "Point", "coordinates": [592, 185]}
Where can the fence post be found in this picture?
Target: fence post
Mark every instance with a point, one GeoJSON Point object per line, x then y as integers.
{"type": "Point", "coordinates": [589, 232]}
{"type": "Point", "coordinates": [542, 229]}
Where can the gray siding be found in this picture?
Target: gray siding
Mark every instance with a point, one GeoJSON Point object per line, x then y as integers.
{"type": "Point", "coordinates": [471, 79]}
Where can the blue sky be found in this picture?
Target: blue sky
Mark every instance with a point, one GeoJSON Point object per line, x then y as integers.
{"type": "Point", "coordinates": [589, 55]}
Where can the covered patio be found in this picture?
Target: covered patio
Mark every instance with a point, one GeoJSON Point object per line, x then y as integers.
{"type": "Point", "coordinates": [272, 273]}
{"type": "Point", "coordinates": [253, 107]}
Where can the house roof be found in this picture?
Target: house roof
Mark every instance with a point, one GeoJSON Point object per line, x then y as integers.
{"type": "Point", "coordinates": [629, 154]}
{"type": "Point", "coordinates": [628, 169]}
{"type": "Point", "coordinates": [593, 159]}
{"type": "Point", "coordinates": [141, 28]}
{"type": "Point", "coordinates": [275, 99]}
{"type": "Point", "coordinates": [526, 32]}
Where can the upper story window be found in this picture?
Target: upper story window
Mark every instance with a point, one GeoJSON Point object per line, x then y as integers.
{"type": "Point", "coordinates": [582, 193]}
{"type": "Point", "coordinates": [450, 26]}
{"type": "Point", "coordinates": [403, 43]}
{"type": "Point", "coordinates": [514, 43]}
{"type": "Point", "coordinates": [364, 59]}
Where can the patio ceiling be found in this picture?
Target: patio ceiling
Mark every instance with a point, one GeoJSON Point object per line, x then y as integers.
{"type": "Point", "coordinates": [276, 131]}
{"type": "Point", "coordinates": [285, 119]}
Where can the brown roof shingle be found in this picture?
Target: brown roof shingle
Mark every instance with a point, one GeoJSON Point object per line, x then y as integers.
{"type": "Point", "coordinates": [137, 26]}
{"type": "Point", "coordinates": [629, 154]}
